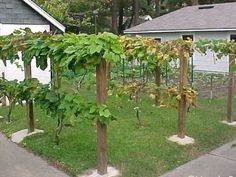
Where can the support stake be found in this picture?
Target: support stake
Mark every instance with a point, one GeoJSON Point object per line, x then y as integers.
{"type": "Point", "coordinates": [158, 84]}
{"type": "Point", "coordinates": [230, 90]}
{"type": "Point", "coordinates": [182, 106]}
{"type": "Point", "coordinates": [101, 84]}
{"type": "Point", "coordinates": [29, 103]}
{"type": "Point", "coordinates": [4, 99]}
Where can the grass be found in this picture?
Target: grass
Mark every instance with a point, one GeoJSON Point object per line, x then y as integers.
{"type": "Point", "coordinates": [136, 152]}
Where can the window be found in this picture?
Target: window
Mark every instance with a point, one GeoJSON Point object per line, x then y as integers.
{"type": "Point", "coordinates": [187, 37]}
{"type": "Point", "coordinates": [233, 37]}
{"type": "Point", "coordinates": [158, 39]}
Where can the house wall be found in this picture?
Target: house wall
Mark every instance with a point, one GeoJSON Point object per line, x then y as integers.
{"type": "Point", "coordinates": [11, 71]}
{"type": "Point", "coordinates": [201, 62]}
{"type": "Point", "coordinates": [18, 12]}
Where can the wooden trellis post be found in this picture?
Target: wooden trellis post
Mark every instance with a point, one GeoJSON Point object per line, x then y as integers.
{"type": "Point", "coordinates": [109, 68]}
{"type": "Point", "coordinates": [56, 86]}
{"type": "Point", "coordinates": [101, 84]}
{"type": "Point", "coordinates": [182, 105]}
{"type": "Point", "coordinates": [29, 103]}
{"type": "Point", "coordinates": [230, 90]}
{"type": "Point", "coordinates": [4, 99]}
{"type": "Point", "coordinates": [158, 84]}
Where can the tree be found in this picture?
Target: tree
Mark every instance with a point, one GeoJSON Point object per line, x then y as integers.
{"type": "Point", "coordinates": [157, 8]}
{"type": "Point", "coordinates": [136, 11]}
{"type": "Point", "coordinates": [57, 8]}
{"type": "Point", "coordinates": [114, 27]}
{"type": "Point", "coordinates": [121, 16]}
{"type": "Point", "coordinates": [194, 2]}
{"type": "Point", "coordinates": [77, 15]}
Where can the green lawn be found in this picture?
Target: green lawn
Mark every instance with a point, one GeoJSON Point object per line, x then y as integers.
{"type": "Point", "coordinates": [135, 152]}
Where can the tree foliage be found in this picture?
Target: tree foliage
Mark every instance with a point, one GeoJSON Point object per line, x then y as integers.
{"type": "Point", "coordinates": [77, 15]}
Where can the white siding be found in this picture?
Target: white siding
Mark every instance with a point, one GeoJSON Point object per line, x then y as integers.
{"type": "Point", "coordinates": [11, 71]}
{"type": "Point", "coordinates": [201, 62]}
{"type": "Point", "coordinates": [164, 36]}
{"type": "Point", "coordinates": [208, 62]}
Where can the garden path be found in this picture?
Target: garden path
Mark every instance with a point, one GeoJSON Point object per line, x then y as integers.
{"type": "Point", "coordinates": [17, 162]}
{"type": "Point", "coordinates": [220, 162]}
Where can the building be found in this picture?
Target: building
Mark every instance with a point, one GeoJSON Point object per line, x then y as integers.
{"type": "Point", "coordinates": [16, 14]}
{"type": "Point", "coordinates": [215, 21]}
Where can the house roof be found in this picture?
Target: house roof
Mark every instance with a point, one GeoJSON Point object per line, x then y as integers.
{"type": "Point", "coordinates": [45, 15]}
{"type": "Point", "coordinates": [214, 17]}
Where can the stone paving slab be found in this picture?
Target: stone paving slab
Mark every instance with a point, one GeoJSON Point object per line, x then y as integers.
{"type": "Point", "coordinates": [17, 162]}
{"type": "Point", "coordinates": [226, 151]}
{"type": "Point", "coordinates": [208, 165]}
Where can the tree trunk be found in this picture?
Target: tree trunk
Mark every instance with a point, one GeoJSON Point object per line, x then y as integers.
{"type": "Point", "coordinates": [230, 90]}
{"type": "Point", "coordinates": [195, 2]}
{"type": "Point", "coordinates": [114, 26]}
{"type": "Point", "coordinates": [149, 2]}
{"type": "Point", "coordinates": [114, 29]}
{"type": "Point", "coordinates": [101, 94]}
{"type": "Point", "coordinates": [157, 8]}
{"type": "Point", "coordinates": [121, 16]}
{"type": "Point", "coordinates": [182, 106]}
{"type": "Point", "coordinates": [136, 12]}
{"type": "Point", "coordinates": [29, 103]}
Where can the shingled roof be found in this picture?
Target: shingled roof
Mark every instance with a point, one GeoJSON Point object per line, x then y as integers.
{"type": "Point", "coordinates": [214, 17]}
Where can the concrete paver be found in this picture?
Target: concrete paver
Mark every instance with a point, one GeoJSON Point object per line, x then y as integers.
{"type": "Point", "coordinates": [226, 151]}
{"type": "Point", "coordinates": [218, 163]}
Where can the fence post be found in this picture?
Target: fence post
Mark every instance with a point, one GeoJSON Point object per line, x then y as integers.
{"type": "Point", "coordinates": [158, 84]}
{"type": "Point", "coordinates": [192, 69]}
{"type": "Point", "coordinates": [230, 90]}
{"type": "Point", "coordinates": [29, 103]}
{"type": "Point", "coordinates": [166, 75]}
{"type": "Point", "coordinates": [101, 94]}
{"type": "Point", "coordinates": [4, 99]}
{"type": "Point", "coordinates": [123, 70]}
{"type": "Point", "coordinates": [211, 92]}
{"type": "Point", "coordinates": [182, 105]}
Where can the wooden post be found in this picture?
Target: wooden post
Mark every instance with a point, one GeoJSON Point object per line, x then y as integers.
{"type": "Point", "coordinates": [158, 84]}
{"type": "Point", "coordinates": [166, 75]}
{"type": "Point", "coordinates": [4, 99]}
{"type": "Point", "coordinates": [101, 84]}
{"type": "Point", "coordinates": [123, 76]}
{"type": "Point", "coordinates": [211, 92]}
{"type": "Point", "coordinates": [143, 73]}
{"type": "Point", "coordinates": [109, 67]}
{"type": "Point", "coordinates": [29, 103]}
{"type": "Point", "coordinates": [230, 90]}
{"type": "Point", "coordinates": [182, 106]}
{"type": "Point", "coordinates": [60, 116]}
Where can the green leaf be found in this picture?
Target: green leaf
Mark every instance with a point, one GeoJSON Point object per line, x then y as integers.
{"type": "Point", "coordinates": [93, 109]}
{"type": "Point", "coordinates": [70, 50]}
{"type": "Point", "coordinates": [51, 97]}
{"type": "Point", "coordinates": [106, 113]}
